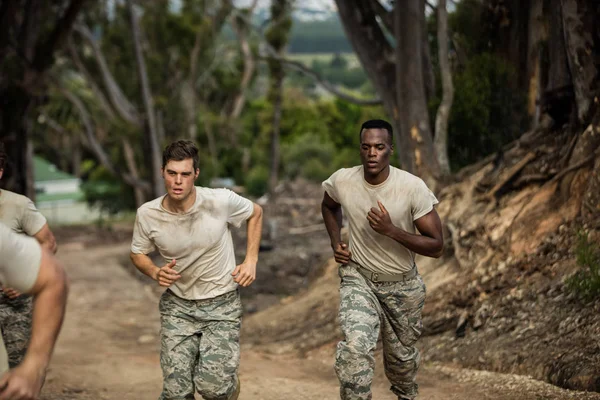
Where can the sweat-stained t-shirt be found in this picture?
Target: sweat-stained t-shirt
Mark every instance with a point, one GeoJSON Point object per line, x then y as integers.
{"type": "Point", "coordinates": [199, 240]}
{"type": "Point", "coordinates": [406, 198]}
{"type": "Point", "coordinates": [19, 213]}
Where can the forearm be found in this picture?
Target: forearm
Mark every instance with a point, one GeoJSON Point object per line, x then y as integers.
{"type": "Point", "coordinates": [48, 315]}
{"type": "Point", "coordinates": [254, 233]}
{"type": "Point", "coordinates": [420, 244]}
{"type": "Point", "coordinates": [333, 223]}
{"type": "Point", "coordinates": [145, 265]}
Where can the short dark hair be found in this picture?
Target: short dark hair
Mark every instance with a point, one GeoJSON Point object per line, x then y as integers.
{"type": "Point", "coordinates": [378, 124]}
{"type": "Point", "coordinates": [180, 150]}
{"type": "Point", "coordinates": [3, 156]}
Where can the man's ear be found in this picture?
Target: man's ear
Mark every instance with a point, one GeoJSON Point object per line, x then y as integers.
{"type": "Point", "coordinates": [1, 172]}
{"type": "Point", "coordinates": [197, 173]}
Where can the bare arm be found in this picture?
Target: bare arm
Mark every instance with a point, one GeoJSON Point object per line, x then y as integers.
{"type": "Point", "coordinates": [332, 216]}
{"type": "Point", "coordinates": [245, 273]}
{"type": "Point", "coordinates": [429, 243]}
{"type": "Point", "coordinates": [45, 237]}
{"type": "Point", "coordinates": [50, 290]}
{"type": "Point", "coordinates": [165, 276]}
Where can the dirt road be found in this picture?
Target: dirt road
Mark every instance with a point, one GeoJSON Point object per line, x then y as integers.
{"type": "Point", "coordinates": [109, 346]}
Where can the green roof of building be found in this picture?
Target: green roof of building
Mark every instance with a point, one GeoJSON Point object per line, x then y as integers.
{"type": "Point", "coordinates": [75, 196]}
{"type": "Point", "coordinates": [44, 171]}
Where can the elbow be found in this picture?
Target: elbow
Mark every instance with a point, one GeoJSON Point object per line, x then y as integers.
{"type": "Point", "coordinates": [439, 250]}
{"type": "Point", "coordinates": [258, 212]}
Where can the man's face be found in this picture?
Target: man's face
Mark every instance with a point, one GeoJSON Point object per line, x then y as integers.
{"type": "Point", "coordinates": [179, 178]}
{"type": "Point", "coordinates": [375, 150]}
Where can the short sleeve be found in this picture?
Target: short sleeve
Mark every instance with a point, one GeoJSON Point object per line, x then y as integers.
{"type": "Point", "coordinates": [20, 258]}
{"type": "Point", "coordinates": [141, 242]}
{"type": "Point", "coordinates": [330, 188]}
{"type": "Point", "coordinates": [32, 220]}
{"type": "Point", "coordinates": [239, 208]}
{"type": "Point", "coordinates": [422, 199]}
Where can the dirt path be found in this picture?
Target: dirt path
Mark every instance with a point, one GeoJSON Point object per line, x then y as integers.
{"type": "Point", "coordinates": [108, 349]}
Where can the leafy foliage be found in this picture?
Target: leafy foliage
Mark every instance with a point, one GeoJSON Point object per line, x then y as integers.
{"type": "Point", "coordinates": [586, 281]}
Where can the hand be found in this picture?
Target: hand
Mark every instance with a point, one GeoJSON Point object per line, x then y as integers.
{"type": "Point", "coordinates": [380, 220]}
{"type": "Point", "coordinates": [22, 383]}
{"type": "Point", "coordinates": [11, 293]}
{"type": "Point", "coordinates": [341, 253]}
{"type": "Point", "coordinates": [245, 273]}
{"type": "Point", "coordinates": [166, 276]}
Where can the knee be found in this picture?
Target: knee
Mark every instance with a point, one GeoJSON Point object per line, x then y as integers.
{"type": "Point", "coordinates": [216, 390]}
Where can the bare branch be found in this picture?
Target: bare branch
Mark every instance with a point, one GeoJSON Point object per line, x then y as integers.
{"type": "Point", "coordinates": [326, 85]}
{"type": "Point", "coordinates": [249, 64]}
{"type": "Point", "coordinates": [95, 146]}
{"type": "Point", "coordinates": [387, 17]}
{"type": "Point", "coordinates": [104, 104]}
{"type": "Point", "coordinates": [124, 107]}
{"type": "Point", "coordinates": [59, 34]}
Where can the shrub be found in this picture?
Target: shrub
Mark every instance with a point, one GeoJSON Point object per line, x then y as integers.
{"type": "Point", "coordinates": [586, 281]}
{"type": "Point", "coordinates": [257, 181]}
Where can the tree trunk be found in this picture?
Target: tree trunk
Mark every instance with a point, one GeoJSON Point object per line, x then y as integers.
{"type": "Point", "coordinates": [428, 74]}
{"type": "Point", "coordinates": [275, 150]}
{"type": "Point", "coordinates": [157, 183]}
{"type": "Point", "coordinates": [443, 112]}
{"type": "Point", "coordinates": [375, 54]}
{"type": "Point", "coordinates": [537, 35]}
{"type": "Point", "coordinates": [579, 22]}
{"type": "Point", "coordinates": [277, 37]}
{"type": "Point", "coordinates": [132, 167]}
{"type": "Point", "coordinates": [24, 74]}
{"type": "Point", "coordinates": [413, 90]}
{"type": "Point", "coordinates": [400, 83]}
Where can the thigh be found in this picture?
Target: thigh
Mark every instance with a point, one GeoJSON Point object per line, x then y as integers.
{"type": "Point", "coordinates": [359, 312]}
{"type": "Point", "coordinates": [179, 347]}
{"type": "Point", "coordinates": [219, 345]}
{"type": "Point", "coordinates": [15, 315]}
{"type": "Point", "coordinates": [402, 305]}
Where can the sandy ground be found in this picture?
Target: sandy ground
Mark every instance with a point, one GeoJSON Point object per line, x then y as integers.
{"type": "Point", "coordinates": [109, 347]}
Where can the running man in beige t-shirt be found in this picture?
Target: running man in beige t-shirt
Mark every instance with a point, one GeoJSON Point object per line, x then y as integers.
{"type": "Point", "coordinates": [29, 268]}
{"type": "Point", "coordinates": [380, 289]}
{"type": "Point", "coordinates": [201, 309]}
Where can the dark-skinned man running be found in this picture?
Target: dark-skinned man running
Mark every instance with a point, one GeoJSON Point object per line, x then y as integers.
{"type": "Point", "coordinates": [380, 290]}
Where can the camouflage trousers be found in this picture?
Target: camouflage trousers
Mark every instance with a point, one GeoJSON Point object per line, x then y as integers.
{"type": "Point", "coordinates": [200, 349]}
{"type": "Point", "coordinates": [368, 309]}
{"type": "Point", "coordinates": [15, 323]}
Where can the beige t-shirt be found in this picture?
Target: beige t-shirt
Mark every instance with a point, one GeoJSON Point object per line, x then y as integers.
{"type": "Point", "coordinates": [20, 258]}
{"type": "Point", "coordinates": [406, 198]}
{"type": "Point", "coordinates": [19, 213]}
{"type": "Point", "coordinates": [199, 240]}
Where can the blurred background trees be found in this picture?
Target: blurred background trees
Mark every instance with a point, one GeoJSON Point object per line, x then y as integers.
{"type": "Point", "coordinates": [279, 91]}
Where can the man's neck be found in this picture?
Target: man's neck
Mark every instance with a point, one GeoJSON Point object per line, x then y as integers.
{"type": "Point", "coordinates": [379, 178]}
{"type": "Point", "coordinates": [180, 207]}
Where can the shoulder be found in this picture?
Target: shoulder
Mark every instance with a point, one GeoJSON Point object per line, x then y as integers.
{"type": "Point", "coordinates": [408, 180]}
{"type": "Point", "coordinates": [149, 206]}
{"type": "Point", "coordinates": [11, 198]}
{"type": "Point", "coordinates": [345, 174]}
{"type": "Point", "coordinates": [215, 193]}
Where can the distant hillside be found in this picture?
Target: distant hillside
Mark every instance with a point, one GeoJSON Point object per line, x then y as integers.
{"type": "Point", "coordinates": [325, 36]}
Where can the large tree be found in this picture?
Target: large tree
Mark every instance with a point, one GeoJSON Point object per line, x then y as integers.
{"type": "Point", "coordinates": [30, 34]}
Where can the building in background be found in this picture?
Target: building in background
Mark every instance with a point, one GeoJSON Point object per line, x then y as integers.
{"type": "Point", "coordinates": [59, 196]}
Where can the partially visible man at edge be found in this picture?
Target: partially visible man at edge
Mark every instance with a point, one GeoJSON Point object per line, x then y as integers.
{"type": "Point", "coordinates": [201, 309]}
{"type": "Point", "coordinates": [27, 267]}
{"type": "Point", "coordinates": [381, 290]}
{"type": "Point", "coordinates": [19, 214]}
